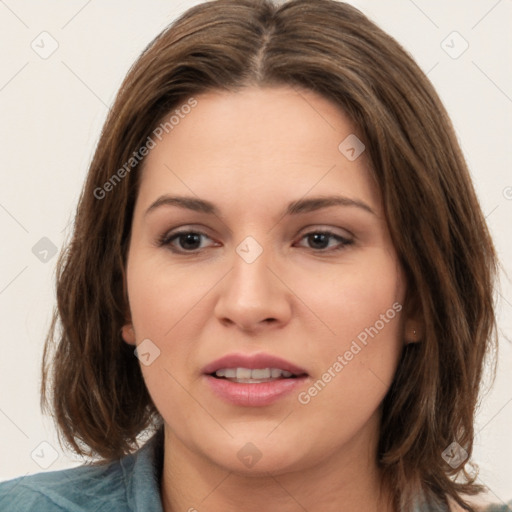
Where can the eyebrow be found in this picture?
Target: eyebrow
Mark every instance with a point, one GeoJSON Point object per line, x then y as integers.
{"type": "Point", "coordinates": [293, 208]}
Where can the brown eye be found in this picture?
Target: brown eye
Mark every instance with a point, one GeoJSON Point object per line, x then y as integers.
{"type": "Point", "coordinates": [189, 241]}
{"type": "Point", "coordinates": [321, 240]}
{"type": "Point", "coordinates": [184, 241]}
{"type": "Point", "coordinates": [318, 240]}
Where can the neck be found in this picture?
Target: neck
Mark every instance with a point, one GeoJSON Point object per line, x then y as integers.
{"type": "Point", "coordinates": [347, 481]}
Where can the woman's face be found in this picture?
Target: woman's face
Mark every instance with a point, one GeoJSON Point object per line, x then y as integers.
{"type": "Point", "coordinates": [271, 242]}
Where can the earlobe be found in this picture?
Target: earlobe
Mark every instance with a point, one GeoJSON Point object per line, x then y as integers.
{"type": "Point", "coordinates": [413, 332]}
{"type": "Point", "coordinates": [414, 326]}
{"type": "Point", "coordinates": [128, 334]}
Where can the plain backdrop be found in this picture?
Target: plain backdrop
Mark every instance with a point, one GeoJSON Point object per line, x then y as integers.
{"type": "Point", "coordinates": [52, 108]}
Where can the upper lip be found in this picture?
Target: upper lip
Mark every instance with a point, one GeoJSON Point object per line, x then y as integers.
{"type": "Point", "coordinates": [252, 361]}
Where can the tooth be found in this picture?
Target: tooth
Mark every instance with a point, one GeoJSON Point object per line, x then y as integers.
{"type": "Point", "coordinates": [243, 373]}
{"type": "Point", "coordinates": [261, 373]}
{"type": "Point", "coordinates": [247, 374]}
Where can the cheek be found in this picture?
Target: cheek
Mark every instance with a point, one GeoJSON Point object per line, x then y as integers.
{"type": "Point", "coordinates": [358, 311]}
{"type": "Point", "coordinates": [350, 297]}
{"type": "Point", "coordinates": [169, 307]}
{"type": "Point", "coordinates": [163, 303]}
{"type": "Point", "coordinates": [163, 297]}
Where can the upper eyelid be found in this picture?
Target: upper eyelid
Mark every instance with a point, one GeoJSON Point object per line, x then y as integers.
{"type": "Point", "coordinates": [189, 228]}
{"type": "Point", "coordinates": [185, 230]}
{"type": "Point", "coordinates": [313, 228]}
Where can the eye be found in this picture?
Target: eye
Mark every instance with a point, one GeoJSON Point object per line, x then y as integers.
{"type": "Point", "coordinates": [322, 240]}
{"type": "Point", "coordinates": [184, 241]}
{"type": "Point", "coordinates": [188, 241]}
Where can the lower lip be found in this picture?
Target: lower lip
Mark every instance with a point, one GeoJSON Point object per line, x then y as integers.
{"type": "Point", "coordinates": [254, 394]}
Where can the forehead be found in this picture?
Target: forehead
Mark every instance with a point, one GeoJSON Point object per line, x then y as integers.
{"type": "Point", "coordinates": [273, 142]}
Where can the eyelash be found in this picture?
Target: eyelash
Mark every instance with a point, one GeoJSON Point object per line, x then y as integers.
{"type": "Point", "coordinates": [168, 238]}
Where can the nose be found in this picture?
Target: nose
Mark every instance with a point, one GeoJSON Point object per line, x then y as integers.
{"type": "Point", "coordinates": [252, 297]}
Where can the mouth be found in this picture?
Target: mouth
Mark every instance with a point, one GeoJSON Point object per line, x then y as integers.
{"type": "Point", "coordinates": [253, 380]}
{"type": "Point", "coordinates": [258, 367]}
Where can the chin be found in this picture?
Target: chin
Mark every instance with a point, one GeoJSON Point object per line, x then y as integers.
{"type": "Point", "coordinates": [259, 456]}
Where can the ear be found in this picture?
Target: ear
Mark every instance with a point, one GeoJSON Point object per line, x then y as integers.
{"type": "Point", "coordinates": [128, 334]}
{"type": "Point", "coordinates": [414, 329]}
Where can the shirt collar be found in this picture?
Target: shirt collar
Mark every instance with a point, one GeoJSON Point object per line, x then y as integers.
{"type": "Point", "coordinates": [143, 474]}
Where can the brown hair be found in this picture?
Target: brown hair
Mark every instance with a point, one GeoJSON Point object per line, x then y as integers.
{"type": "Point", "coordinates": [91, 379]}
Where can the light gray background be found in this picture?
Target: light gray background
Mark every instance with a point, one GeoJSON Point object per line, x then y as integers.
{"type": "Point", "coordinates": [52, 110]}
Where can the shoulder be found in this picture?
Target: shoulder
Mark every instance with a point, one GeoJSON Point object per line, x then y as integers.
{"type": "Point", "coordinates": [120, 485]}
{"type": "Point", "coordinates": [504, 507]}
{"type": "Point", "coordinates": [70, 490]}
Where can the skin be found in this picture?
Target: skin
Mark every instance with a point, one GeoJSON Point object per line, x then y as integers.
{"type": "Point", "coordinates": [251, 153]}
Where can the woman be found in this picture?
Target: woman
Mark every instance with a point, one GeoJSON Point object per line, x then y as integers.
{"type": "Point", "coordinates": [280, 266]}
